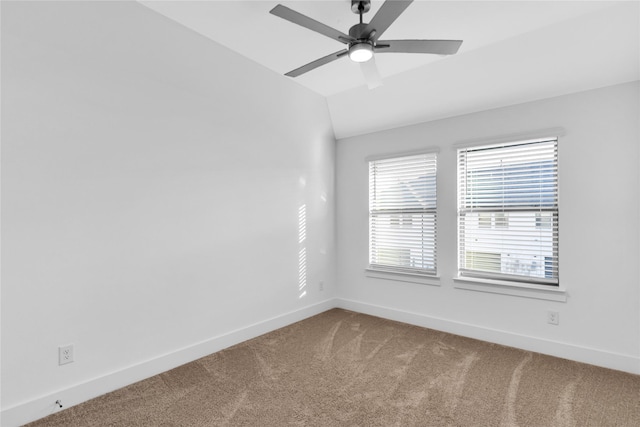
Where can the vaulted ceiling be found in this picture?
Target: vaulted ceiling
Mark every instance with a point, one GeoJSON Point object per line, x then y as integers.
{"type": "Point", "coordinates": [513, 52]}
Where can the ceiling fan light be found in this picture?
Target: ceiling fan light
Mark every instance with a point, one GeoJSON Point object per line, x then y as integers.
{"type": "Point", "coordinates": [361, 52]}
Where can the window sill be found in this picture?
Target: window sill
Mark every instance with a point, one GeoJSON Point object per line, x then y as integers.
{"type": "Point", "coordinates": [510, 288]}
{"type": "Point", "coordinates": [421, 279]}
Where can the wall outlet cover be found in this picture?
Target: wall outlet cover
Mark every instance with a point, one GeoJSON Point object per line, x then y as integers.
{"type": "Point", "coordinates": [65, 354]}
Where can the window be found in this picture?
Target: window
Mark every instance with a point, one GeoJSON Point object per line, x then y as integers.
{"type": "Point", "coordinates": [402, 214]}
{"type": "Point", "coordinates": [516, 185]}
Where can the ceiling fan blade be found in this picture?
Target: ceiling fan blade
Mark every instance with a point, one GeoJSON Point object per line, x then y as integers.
{"type": "Point", "coordinates": [311, 24]}
{"type": "Point", "coordinates": [438, 47]}
{"type": "Point", "coordinates": [371, 73]}
{"type": "Point", "coordinates": [386, 15]}
{"type": "Point", "coordinates": [317, 63]}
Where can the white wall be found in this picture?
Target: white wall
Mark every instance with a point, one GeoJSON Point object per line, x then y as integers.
{"type": "Point", "coordinates": [599, 226]}
{"type": "Point", "coordinates": [151, 187]}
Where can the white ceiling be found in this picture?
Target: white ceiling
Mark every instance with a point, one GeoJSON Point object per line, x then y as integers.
{"type": "Point", "coordinates": [513, 51]}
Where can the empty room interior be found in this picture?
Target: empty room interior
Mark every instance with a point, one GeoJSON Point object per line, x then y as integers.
{"type": "Point", "coordinates": [169, 192]}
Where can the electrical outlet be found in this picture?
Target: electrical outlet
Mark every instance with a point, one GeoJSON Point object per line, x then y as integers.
{"type": "Point", "coordinates": [65, 354]}
{"type": "Point", "coordinates": [553, 317]}
{"type": "Point", "coordinates": [321, 286]}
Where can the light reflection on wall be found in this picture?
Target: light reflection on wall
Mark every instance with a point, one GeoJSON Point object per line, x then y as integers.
{"type": "Point", "coordinates": [302, 253]}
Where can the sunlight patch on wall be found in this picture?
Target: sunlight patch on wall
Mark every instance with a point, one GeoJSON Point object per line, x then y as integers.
{"type": "Point", "coordinates": [302, 253]}
{"type": "Point", "coordinates": [302, 224]}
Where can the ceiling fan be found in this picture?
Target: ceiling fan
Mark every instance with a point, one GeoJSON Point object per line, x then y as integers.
{"type": "Point", "coordinates": [363, 39]}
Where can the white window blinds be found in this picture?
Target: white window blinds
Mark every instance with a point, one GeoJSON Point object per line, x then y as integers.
{"type": "Point", "coordinates": [402, 214]}
{"type": "Point", "coordinates": [508, 211]}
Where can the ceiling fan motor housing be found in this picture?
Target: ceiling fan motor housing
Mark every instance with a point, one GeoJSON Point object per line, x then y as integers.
{"type": "Point", "coordinates": [357, 31]}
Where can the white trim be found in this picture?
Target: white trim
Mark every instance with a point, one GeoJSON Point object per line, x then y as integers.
{"type": "Point", "coordinates": [542, 134]}
{"type": "Point", "coordinates": [622, 362]}
{"type": "Point", "coordinates": [40, 407]}
{"type": "Point", "coordinates": [398, 276]}
{"type": "Point", "coordinates": [427, 150]}
{"type": "Point", "coordinates": [545, 292]}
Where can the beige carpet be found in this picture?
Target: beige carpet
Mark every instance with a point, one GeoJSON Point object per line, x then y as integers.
{"type": "Point", "coordinates": [346, 369]}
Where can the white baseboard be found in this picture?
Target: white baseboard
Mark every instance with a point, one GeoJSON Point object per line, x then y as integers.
{"type": "Point", "coordinates": [44, 405]}
{"type": "Point", "coordinates": [41, 407]}
{"type": "Point", "coordinates": [620, 362]}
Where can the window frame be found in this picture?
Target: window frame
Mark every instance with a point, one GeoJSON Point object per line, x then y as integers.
{"type": "Point", "coordinates": [401, 273]}
{"type": "Point", "coordinates": [500, 278]}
